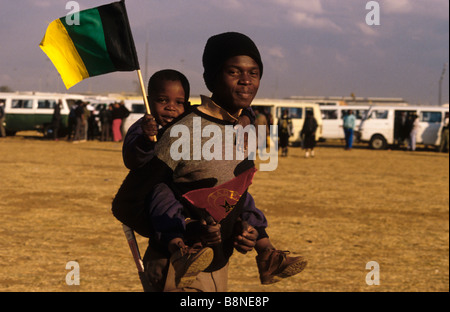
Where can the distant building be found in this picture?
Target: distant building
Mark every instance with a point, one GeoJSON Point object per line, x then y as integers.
{"type": "Point", "coordinates": [349, 100]}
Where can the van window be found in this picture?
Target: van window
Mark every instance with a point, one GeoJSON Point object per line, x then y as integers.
{"type": "Point", "coordinates": [329, 114]}
{"type": "Point", "coordinates": [22, 104]}
{"type": "Point", "coordinates": [46, 103]}
{"type": "Point", "coordinates": [431, 116]}
{"type": "Point", "coordinates": [293, 112]}
{"type": "Point", "coordinates": [138, 109]}
{"type": "Point", "coordinates": [379, 114]}
{"type": "Point", "coordinates": [358, 113]}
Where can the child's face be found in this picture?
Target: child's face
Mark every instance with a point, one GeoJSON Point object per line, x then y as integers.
{"type": "Point", "coordinates": [168, 102]}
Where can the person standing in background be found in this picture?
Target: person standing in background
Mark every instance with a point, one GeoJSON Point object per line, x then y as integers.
{"type": "Point", "coordinates": [2, 119]}
{"type": "Point", "coordinates": [444, 148]}
{"type": "Point", "coordinates": [116, 122]}
{"type": "Point", "coordinates": [106, 120]}
{"type": "Point", "coordinates": [349, 126]}
{"type": "Point", "coordinates": [308, 134]}
{"type": "Point", "coordinates": [56, 120]}
{"type": "Point", "coordinates": [284, 132]}
{"type": "Point", "coordinates": [125, 113]}
{"type": "Point", "coordinates": [72, 122]}
{"type": "Point", "coordinates": [80, 130]}
{"type": "Point", "coordinates": [415, 126]}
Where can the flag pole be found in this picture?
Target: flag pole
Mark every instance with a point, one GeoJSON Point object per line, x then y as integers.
{"type": "Point", "coordinates": [147, 106]}
{"type": "Point", "coordinates": [141, 83]}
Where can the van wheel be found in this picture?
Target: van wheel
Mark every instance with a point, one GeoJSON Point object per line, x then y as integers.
{"type": "Point", "coordinates": [10, 133]}
{"type": "Point", "coordinates": [378, 142]}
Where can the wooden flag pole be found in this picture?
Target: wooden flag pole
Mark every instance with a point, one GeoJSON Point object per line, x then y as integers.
{"type": "Point", "coordinates": [144, 94]}
{"type": "Point", "coordinates": [141, 83]}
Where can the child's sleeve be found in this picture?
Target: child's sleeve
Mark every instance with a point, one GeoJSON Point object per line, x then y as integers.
{"type": "Point", "coordinates": [166, 215]}
{"type": "Point", "coordinates": [130, 205]}
{"type": "Point", "coordinates": [137, 149]}
{"type": "Point", "coordinates": [254, 216]}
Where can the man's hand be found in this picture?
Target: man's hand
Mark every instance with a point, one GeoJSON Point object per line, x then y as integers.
{"type": "Point", "coordinates": [245, 241]}
{"type": "Point", "coordinates": [210, 235]}
{"type": "Point", "coordinates": [149, 127]}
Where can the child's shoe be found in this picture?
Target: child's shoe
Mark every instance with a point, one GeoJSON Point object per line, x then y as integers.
{"type": "Point", "coordinates": [188, 262]}
{"type": "Point", "coordinates": [274, 265]}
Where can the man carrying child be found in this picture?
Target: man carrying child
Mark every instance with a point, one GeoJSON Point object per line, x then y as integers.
{"type": "Point", "coordinates": [205, 188]}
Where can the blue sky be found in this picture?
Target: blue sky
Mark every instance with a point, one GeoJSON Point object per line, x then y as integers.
{"type": "Point", "coordinates": [309, 47]}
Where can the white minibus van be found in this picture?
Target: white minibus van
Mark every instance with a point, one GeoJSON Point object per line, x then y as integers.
{"type": "Point", "coordinates": [382, 124]}
{"type": "Point", "coordinates": [332, 119]}
{"type": "Point", "coordinates": [137, 110]}
{"type": "Point", "coordinates": [273, 109]}
{"type": "Point", "coordinates": [33, 111]}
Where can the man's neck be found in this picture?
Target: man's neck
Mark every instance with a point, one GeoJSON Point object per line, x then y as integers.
{"type": "Point", "coordinates": [213, 109]}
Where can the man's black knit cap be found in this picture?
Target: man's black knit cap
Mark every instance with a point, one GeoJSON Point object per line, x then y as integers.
{"type": "Point", "coordinates": [220, 48]}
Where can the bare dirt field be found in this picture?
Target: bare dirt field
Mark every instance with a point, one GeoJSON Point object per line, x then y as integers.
{"type": "Point", "coordinates": [341, 210]}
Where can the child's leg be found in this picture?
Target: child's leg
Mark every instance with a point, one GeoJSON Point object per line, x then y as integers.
{"type": "Point", "coordinates": [168, 229]}
{"type": "Point", "coordinates": [167, 221]}
{"type": "Point", "coordinates": [254, 216]}
{"type": "Point", "coordinates": [273, 264]}
{"type": "Point", "coordinates": [263, 244]}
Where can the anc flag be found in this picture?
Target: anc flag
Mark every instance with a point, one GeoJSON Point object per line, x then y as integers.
{"type": "Point", "coordinates": [220, 200]}
{"type": "Point", "coordinates": [100, 43]}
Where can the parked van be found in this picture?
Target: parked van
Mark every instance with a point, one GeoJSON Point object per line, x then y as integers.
{"type": "Point", "coordinates": [382, 124]}
{"type": "Point", "coordinates": [137, 110]}
{"type": "Point", "coordinates": [274, 108]}
{"type": "Point", "coordinates": [34, 111]}
{"type": "Point", "coordinates": [332, 119]}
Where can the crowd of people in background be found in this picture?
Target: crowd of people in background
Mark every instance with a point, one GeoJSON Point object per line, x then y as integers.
{"type": "Point", "coordinates": [106, 124]}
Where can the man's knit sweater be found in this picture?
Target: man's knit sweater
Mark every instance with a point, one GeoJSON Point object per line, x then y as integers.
{"type": "Point", "coordinates": [185, 175]}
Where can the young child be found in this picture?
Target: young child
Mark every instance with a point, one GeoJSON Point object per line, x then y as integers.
{"type": "Point", "coordinates": [168, 96]}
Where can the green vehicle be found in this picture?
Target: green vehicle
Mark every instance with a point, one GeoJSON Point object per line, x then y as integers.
{"type": "Point", "coordinates": [30, 111]}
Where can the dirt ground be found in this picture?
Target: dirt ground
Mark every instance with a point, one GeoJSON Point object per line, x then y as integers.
{"type": "Point", "coordinates": [340, 210]}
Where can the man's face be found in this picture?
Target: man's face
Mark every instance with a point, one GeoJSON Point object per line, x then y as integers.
{"type": "Point", "coordinates": [237, 84]}
{"type": "Point", "coordinates": [168, 102]}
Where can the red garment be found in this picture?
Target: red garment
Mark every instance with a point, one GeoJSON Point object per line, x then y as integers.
{"type": "Point", "coordinates": [117, 134]}
{"type": "Point", "coordinates": [219, 201]}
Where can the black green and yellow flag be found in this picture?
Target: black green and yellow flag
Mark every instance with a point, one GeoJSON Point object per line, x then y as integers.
{"type": "Point", "coordinates": [101, 42]}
